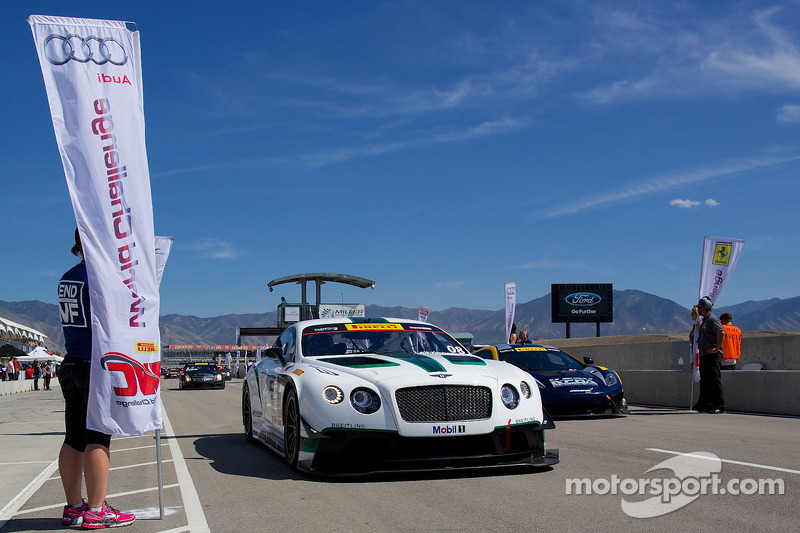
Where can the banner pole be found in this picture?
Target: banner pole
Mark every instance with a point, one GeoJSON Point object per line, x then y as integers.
{"type": "Point", "coordinates": [160, 475]}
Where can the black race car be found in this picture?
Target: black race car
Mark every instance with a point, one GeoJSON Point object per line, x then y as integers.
{"type": "Point", "coordinates": [202, 374]}
{"type": "Point", "coordinates": [568, 387]}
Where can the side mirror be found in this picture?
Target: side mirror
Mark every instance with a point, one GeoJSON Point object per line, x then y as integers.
{"type": "Point", "coordinates": [275, 353]}
{"type": "Point", "coordinates": [588, 360]}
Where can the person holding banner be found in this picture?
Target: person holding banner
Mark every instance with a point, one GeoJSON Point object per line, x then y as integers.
{"type": "Point", "coordinates": [85, 453]}
{"type": "Point", "coordinates": [710, 344]}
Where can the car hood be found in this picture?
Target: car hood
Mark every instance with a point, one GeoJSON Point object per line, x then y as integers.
{"type": "Point", "coordinates": [567, 379]}
{"type": "Point", "coordinates": [377, 367]}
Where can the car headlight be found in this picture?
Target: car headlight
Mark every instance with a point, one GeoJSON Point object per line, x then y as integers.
{"type": "Point", "coordinates": [510, 396]}
{"type": "Point", "coordinates": [218, 377]}
{"type": "Point", "coordinates": [365, 401]}
{"type": "Point", "coordinates": [611, 379]}
{"type": "Point", "coordinates": [332, 394]}
{"type": "Point", "coordinates": [526, 389]}
{"type": "Point", "coordinates": [187, 378]}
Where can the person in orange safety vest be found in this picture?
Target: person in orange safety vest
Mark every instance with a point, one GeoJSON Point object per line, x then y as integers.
{"type": "Point", "coordinates": [732, 345]}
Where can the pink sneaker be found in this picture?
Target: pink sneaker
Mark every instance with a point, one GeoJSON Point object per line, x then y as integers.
{"type": "Point", "coordinates": [106, 517]}
{"type": "Point", "coordinates": [73, 516]}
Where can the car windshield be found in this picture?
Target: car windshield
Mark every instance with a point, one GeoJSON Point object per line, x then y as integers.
{"type": "Point", "coordinates": [386, 338]}
{"type": "Point", "coordinates": [200, 368]}
{"type": "Point", "coordinates": [538, 358]}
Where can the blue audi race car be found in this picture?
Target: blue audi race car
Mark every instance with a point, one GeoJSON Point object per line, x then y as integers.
{"type": "Point", "coordinates": [568, 387]}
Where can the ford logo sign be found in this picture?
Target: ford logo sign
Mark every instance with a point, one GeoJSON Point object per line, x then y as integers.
{"type": "Point", "coordinates": [583, 298]}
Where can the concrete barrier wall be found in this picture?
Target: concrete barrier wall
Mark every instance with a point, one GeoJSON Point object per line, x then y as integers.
{"type": "Point", "coordinates": [656, 370]}
{"type": "Point", "coordinates": [23, 385]}
{"type": "Point", "coordinates": [775, 350]}
{"type": "Point", "coordinates": [757, 391]}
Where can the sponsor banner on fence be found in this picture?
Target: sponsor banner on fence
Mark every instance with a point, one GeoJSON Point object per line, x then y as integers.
{"type": "Point", "coordinates": [342, 310]}
{"type": "Point", "coordinates": [719, 260]}
{"type": "Point", "coordinates": [92, 74]}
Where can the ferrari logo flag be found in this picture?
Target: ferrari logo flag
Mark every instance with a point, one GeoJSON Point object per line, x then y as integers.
{"type": "Point", "coordinates": [93, 77]}
{"type": "Point", "coordinates": [719, 259]}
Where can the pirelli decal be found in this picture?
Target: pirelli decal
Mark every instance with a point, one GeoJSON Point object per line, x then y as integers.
{"type": "Point", "coordinates": [374, 327]}
{"type": "Point", "coordinates": [146, 347]}
{"type": "Point", "coordinates": [530, 349]}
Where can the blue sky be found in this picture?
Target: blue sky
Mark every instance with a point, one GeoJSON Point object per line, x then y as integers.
{"type": "Point", "coordinates": [438, 148]}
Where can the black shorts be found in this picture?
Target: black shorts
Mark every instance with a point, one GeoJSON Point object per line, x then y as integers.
{"type": "Point", "coordinates": [73, 376]}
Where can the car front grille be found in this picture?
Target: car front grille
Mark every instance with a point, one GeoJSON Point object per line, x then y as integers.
{"type": "Point", "coordinates": [444, 403]}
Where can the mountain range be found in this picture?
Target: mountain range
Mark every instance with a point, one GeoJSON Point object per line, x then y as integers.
{"type": "Point", "coordinates": [635, 312]}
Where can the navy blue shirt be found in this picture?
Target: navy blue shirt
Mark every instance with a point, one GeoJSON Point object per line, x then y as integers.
{"type": "Point", "coordinates": [75, 311]}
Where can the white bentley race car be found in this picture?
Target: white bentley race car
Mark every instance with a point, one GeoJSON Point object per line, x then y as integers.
{"type": "Point", "coordinates": [358, 396]}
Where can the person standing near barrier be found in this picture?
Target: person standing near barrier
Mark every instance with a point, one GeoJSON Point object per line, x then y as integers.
{"type": "Point", "coordinates": [710, 344]}
{"type": "Point", "coordinates": [37, 371]}
{"type": "Point", "coordinates": [48, 373]}
{"type": "Point", "coordinates": [732, 346]}
{"type": "Point", "coordinates": [85, 454]}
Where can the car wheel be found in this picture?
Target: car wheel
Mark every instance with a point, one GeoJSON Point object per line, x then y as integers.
{"type": "Point", "coordinates": [291, 429]}
{"type": "Point", "coordinates": [247, 415]}
{"type": "Point", "coordinates": [223, 385]}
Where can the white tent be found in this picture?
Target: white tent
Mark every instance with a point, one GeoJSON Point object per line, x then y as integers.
{"type": "Point", "coordinates": [39, 354]}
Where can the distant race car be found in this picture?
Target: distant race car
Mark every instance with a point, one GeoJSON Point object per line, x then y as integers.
{"type": "Point", "coordinates": [171, 372]}
{"type": "Point", "coordinates": [358, 396]}
{"type": "Point", "coordinates": [568, 387]}
{"type": "Point", "coordinates": [201, 374]}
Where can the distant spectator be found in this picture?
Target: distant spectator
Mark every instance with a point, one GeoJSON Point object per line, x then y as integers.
{"type": "Point", "coordinates": [523, 337]}
{"type": "Point", "coordinates": [48, 373]}
{"type": "Point", "coordinates": [37, 372]}
{"type": "Point", "coordinates": [732, 345]}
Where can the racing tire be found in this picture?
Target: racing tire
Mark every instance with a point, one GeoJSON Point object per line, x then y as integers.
{"type": "Point", "coordinates": [247, 415]}
{"type": "Point", "coordinates": [291, 429]}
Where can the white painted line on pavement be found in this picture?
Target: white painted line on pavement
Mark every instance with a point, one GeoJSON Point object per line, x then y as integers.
{"type": "Point", "coordinates": [19, 500]}
{"type": "Point", "coordinates": [133, 449]}
{"type": "Point", "coordinates": [127, 493]}
{"type": "Point", "coordinates": [191, 501]}
{"type": "Point", "coordinates": [755, 465]}
{"type": "Point", "coordinates": [151, 463]}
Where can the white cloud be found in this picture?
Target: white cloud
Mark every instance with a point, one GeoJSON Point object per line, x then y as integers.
{"type": "Point", "coordinates": [547, 263]}
{"type": "Point", "coordinates": [789, 114]}
{"type": "Point", "coordinates": [214, 248]}
{"type": "Point", "coordinates": [664, 183]}
{"type": "Point", "coordinates": [453, 284]}
{"type": "Point", "coordinates": [688, 204]}
{"type": "Point", "coordinates": [712, 203]}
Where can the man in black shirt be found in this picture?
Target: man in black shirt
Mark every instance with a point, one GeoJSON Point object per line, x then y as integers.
{"type": "Point", "coordinates": [709, 342]}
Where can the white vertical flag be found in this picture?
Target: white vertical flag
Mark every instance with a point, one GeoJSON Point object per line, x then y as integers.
{"type": "Point", "coordinates": [719, 259]}
{"type": "Point", "coordinates": [163, 246]}
{"type": "Point", "coordinates": [511, 303]}
{"type": "Point", "coordinates": [93, 76]}
{"type": "Point", "coordinates": [423, 313]}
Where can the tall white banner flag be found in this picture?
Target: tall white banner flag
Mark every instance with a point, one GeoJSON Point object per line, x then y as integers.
{"type": "Point", "coordinates": [423, 314]}
{"type": "Point", "coordinates": [163, 246]}
{"type": "Point", "coordinates": [93, 76]}
{"type": "Point", "coordinates": [719, 259]}
{"type": "Point", "coordinates": [511, 303]}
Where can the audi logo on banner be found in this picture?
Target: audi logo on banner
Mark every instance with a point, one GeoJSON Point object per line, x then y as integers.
{"type": "Point", "coordinates": [61, 49]}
